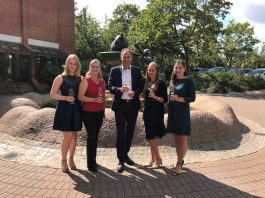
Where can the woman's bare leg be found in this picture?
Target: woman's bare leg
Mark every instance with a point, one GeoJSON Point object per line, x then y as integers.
{"type": "Point", "coordinates": [181, 143]}
{"type": "Point", "coordinates": [65, 145]}
{"type": "Point", "coordinates": [72, 150]}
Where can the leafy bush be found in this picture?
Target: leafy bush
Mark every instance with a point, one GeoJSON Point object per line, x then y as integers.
{"type": "Point", "coordinates": [84, 67]}
{"type": "Point", "coordinates": [222, 82]}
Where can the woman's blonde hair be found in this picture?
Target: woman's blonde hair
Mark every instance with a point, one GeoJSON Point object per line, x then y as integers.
{"type": "Point", "coordinates": [90, 64]}
{"type": "Point", "coordinates": [148, 79]}
{"type": "Point", "coordinates": [66, 69]}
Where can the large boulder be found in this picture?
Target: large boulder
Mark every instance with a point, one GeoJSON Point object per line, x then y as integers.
{"type": "Point", "coordinates": [30, 122]}
{"type": "Point", "coordinates": [22, 116]}
{"type": "Point", "coordinates": [10, 102]}
{"type": "Point", "coordinates": [213, 119]}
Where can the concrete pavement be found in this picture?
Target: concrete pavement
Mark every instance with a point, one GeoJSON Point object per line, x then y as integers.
{"type": "Point", "coordinates": [232, 168]}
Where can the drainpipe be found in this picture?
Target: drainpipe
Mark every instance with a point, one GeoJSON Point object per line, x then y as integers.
{"type": "Point", "coordinates": [21, 21]}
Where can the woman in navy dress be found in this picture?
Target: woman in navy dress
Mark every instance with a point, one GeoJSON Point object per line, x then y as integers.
{"type": "Point", "coordinates": [155, 95]}
{"type": "Point", "coordinates": [68, 110]}
{"type": "Point", "coordinates": [182, 92]}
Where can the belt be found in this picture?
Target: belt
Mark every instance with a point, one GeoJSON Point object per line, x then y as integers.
{"type": "Point", "coordinates": [126, 100]}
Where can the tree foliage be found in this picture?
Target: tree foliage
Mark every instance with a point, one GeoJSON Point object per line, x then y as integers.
{"type": "Point", "coordinates": [88, 38]}
{"type": "Point", "coordinates": [238, 43]}
{"type": "Point", "coordinates": [123, 15]}
{"type": "Point", "coordinates": [188, 29]}
{"type": "Point", "coordinates": [176, 27]}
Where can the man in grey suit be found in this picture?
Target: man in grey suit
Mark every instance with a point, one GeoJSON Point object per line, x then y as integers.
{"type": "Point", "coordinates": [126, 83]}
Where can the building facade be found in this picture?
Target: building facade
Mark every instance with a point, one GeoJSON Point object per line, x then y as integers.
{"type": "Point", "coordinates": [35, 37]}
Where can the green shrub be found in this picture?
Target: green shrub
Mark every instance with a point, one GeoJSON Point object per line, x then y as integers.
{"type": "Point", "coordinates": [222, 82]}
{"type": "Point", "coordinates": [84, 67]}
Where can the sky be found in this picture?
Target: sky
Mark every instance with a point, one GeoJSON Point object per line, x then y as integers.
{"type": "Point", "coordinates": [252, 11]}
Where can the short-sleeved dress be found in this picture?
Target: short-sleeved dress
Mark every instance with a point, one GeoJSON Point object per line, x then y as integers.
{"type": "Point", "coordinates": [68, 116]}
{"type": "Point", "coordinates": [154, 112]}
{"type": "Point", "coordinates": [179, 112]}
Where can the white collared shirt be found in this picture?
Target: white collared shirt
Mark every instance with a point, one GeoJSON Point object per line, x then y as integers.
{"type": "Point", "coordinates": [126, 77]}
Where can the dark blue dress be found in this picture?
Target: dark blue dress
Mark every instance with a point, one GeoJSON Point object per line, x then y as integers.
{"type": "Point", "coordinates": [154, 112]}
{"type": "Point", "coordinates": [179, 112]}
{"type": "Point", "coordinates": [68, 116]}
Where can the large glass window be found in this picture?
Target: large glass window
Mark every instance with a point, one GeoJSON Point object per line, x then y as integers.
{"type": "Point", "coordinates": [9, 67]}
{"type": "Point", "coordinates": [14, 67]}
{"type": "Point", "coordinates": [2, 66]}
{"type": "Point", "coordinates": [23, 68]}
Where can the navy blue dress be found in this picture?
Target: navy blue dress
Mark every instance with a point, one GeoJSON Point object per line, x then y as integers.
{"type": "Point", "coordinates": [154, 112]}
{"type": "Point", "coordinates": [179, 112]}
{"type": "Point", "coordinates": [68, 116]}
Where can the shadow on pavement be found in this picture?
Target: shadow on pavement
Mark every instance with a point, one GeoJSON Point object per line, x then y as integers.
{"type": "Point", "coordinates": [144, 182]}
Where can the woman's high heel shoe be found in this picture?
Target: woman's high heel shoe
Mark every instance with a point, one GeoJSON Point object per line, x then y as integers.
{"type": "Point", "coordinates": [182, 163]}
{"type": "Point", "coordinates": [177, 170]}
{"type": "Point", "coordinates": [150, 164]}
{"type": "Point", "coordinates": [64, 166]}
{"type": "Point", "coordinates": [157, 164]}
{"type": "Point", "coordinates": [72, 163]}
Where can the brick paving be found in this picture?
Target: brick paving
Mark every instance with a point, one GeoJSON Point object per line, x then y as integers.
{"type": "Point", "coordinates": [232, 168]}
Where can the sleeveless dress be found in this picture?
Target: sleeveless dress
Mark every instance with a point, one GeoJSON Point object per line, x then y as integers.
{"type": "Point", "coordinates": [154, 112]}
{"type": "Point", "coordinates": [68, 116]}
{"type": "Point", "coordinates": [179, 112]}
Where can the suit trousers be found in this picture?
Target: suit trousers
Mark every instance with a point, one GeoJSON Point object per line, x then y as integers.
{"type": "Point", "coordinates": [125, 117]}
{"type": "Point", "coordinates": [93, 122]}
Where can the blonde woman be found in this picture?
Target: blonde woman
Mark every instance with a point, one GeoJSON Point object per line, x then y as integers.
{"type": "Point", "coordinates": [155, 96]}
{"type": "Point", "coordinates": [92, 95]}
{"type": "Point", "coordinates": [68, 110]}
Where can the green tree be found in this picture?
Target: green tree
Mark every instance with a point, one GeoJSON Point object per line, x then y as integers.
{"type": "Point", "coordinates": [176, 27]}
{"type": "Point", "coordinates": [256, 59]}
{"type": "Point", "coordinates": [88, 38]}
{"type": "Point", "coordinates": [123, 15]}
{"type": "Point", "coordinates": [238, 43]}
{"type": "Point", "coordinates": [206, 53]}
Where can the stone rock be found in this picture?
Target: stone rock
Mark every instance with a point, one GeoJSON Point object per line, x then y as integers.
{"type": "Point", "coordinates": [21, 116]}
{"type": "Point", "coordinates": [41, 100]}
{"type": "Point", "coordinates": [213, 119]}
{"type": "Point", "coordinates": [10, 102]}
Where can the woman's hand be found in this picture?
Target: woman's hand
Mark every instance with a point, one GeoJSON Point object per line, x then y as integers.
{"type": "Point", "coordinates": [70, 99]}
{"type": "Point", "coordinates": [152, 94]}
{"type": "Point", "coordinates": [99, 100]}
{"type": "Point", "coordinates": [173, 97]}
{"type": "Point", "coordinates": [176, 98]}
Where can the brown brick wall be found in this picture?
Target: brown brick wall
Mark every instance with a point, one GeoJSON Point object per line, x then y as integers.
{"type": "Point", "coordinates": [41, 20]}
{"type": "Point", "coordinates": [46, 20]}
{"type": "Point", "coordinates": [10, 17]}
{"type": "Point", "coordinates": [66, 25]}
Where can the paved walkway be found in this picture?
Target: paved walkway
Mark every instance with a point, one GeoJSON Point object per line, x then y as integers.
{"type": "Point", "coordinates": [234, 168]}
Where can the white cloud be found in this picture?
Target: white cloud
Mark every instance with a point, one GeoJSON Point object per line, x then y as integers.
{"type": "Point", "coordinates": [252, 11]}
